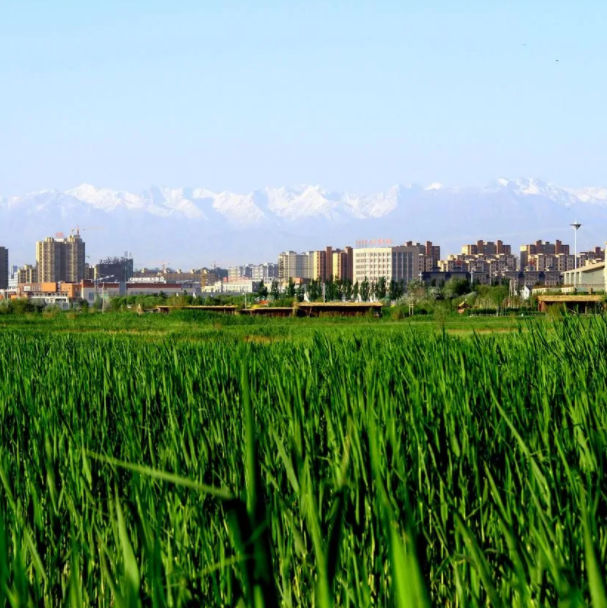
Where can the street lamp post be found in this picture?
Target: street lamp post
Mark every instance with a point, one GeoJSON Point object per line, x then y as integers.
{"type": "Point", "coordinates": [102, 281]}
{"type": "Point", "coordinates": [576, 226]}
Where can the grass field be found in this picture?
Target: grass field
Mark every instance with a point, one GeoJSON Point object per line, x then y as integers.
{"type": "Point", "coordinates": [193, 325]}
{"type": "Point", "coordinates": [202, 461]}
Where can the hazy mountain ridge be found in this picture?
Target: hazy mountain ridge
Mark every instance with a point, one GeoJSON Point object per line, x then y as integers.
{"type": "Point", "coordinates": [195, 226]}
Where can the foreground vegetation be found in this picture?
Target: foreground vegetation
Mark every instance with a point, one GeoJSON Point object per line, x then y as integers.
{"type": "Point", "coordinates": [351, 464]}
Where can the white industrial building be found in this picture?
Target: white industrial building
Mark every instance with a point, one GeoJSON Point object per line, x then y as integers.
{"type": "Point", "coordinates": [234, 287]}
{"type": "Point", "coordinates": [400, 263]}
{"type": "Point", "coordinates": [585, 278]}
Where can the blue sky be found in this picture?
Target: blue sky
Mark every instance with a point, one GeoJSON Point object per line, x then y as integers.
{"type": "Point", "coordinates": [355, 95]}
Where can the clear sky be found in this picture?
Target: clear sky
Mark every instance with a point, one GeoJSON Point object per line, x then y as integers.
{"type": "Point", "coordinates": [355, 95]}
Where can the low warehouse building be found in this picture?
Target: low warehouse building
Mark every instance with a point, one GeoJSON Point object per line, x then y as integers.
{"type": "Point", "coordinates": [578, 304]}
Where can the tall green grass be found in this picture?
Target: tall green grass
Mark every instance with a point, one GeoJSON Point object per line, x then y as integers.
{"type": "Point", "coordinates": [364, 469]}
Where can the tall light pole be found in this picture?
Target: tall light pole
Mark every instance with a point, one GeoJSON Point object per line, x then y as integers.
{"type": "Point", "coordinates": [576, 226]}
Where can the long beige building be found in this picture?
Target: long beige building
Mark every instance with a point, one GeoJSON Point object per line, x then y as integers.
{"type": "Point", "coordinates": [400, 263]}
{"type": "Point", "coordinates": [61, 259]}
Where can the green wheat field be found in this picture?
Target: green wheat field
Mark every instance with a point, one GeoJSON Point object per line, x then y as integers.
{"type": "Point", "coordinates": [212, 462]}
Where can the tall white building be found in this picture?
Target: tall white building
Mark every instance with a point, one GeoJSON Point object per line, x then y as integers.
{"type": "Point", "coordinates": [400, 263]}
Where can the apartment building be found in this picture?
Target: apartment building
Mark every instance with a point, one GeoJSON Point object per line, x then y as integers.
{"type": "Point", "coordinates": [295, 265]}
{"type": "Point", "coordinates": [343, 264]}
{"type": "Point", "coordinates": [27, 274]}
{"type": "Point", "coordinates": [322, 264]}
{"type": "Point", "coordinates": [61, 259]}
{"type": "Point", "coordinates": [541, 247]}
{"type": "Point", "coordinates": [235, 273]}
{"type": "Point", "coordinates": [478, 263]}
{"type": "Point", "coordinates": [593, 256]}
{"type": "Point", "coordinates": [430, 253]}
{"type": "Point", "coordinates": [400, 263]}
{"type": "Point", "coordinates": [487, 248]}
{"type": "Point", "coordinates": [3, 268]}
{"type": "Point", "coordinates": [531, 278]}
{"type": "Point", "coordinates": [264, 272]}
{"type": "Point", "coordinates": [481, 258]}
{"type": "Point", "coordinates": [541, 262]}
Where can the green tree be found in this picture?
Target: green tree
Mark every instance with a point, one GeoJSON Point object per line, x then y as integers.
{"type": "Point", "coordinates": [275, 289]}
{"type": "Point", "coordinates": [330, 290]}
{"type": "Point", "coordinates": [393, 290]}
{"type": "Point", "coordinates": [365, 290]}
{"type": "Point", "coordinates": [416, 292]}
{"type": "Point", "coordinates": [339, 289]}
{"type": "Point", "coordinates": [291, 288]}
{"type": "Point", "coordinates": [300, 293]}
{"type": "Point", "coordinates": [347, 289]}
{"type": "Point", "coordinates": [314, 290]}
{"type": "Point", "coordinates": [22, 306]}
{"type": "Point", "coordinates": [262, 290]}
{"type": "Point", "coordinates": [455, 288]}
{"type": "Point", "coordinates": [380, 288]}
{"type": "Point", "coordinates": [355, 291]}
{"type": "Point", "coordinates": [499, 294]}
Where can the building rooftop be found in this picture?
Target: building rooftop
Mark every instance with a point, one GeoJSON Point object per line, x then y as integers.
{"type": "Point", "coordinates": [571, 298]}
{"type": "Point", "coordinates": [588, 268]}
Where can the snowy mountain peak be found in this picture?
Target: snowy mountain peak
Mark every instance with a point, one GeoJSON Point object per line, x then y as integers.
{"type": "Point", "coordinates": [195, 226]}
{"type": "Point", "coordinates": [291, 204]}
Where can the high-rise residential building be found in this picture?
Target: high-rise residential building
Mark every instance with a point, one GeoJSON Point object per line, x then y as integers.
{"type": "Point", "coordinates": [116, 269]}
{"type": "Point", "coordinates": [27, 274]}
{"type": "Point", "coordinates": [591, 257]}
{"type": "Point", "coordinates": [400, 263]}
{"type": "Point", "coordinates": [264, 272]}
{"type": "Point", "coordinates": [541, 262]}
{"type": "Point", "coordinates": [541, 247]}
{"type": "Point", "coordinates": [479, 263]}
{"type": "Point", "coordinates": [295, 265]}
{"type": "Point", "coordinates": [487, 248]}
{"type": "Point", "coordinates": [3, 268]}
{"type": "Point", "coordinates": [322, 264]}
{"type": "Point", "coordinates": [430, 253]}
{"type": "Point", "coordinates": [343, 260]}
{"type": "Point", "coordinates": [61, 259]}
{"type": "Point", "coordinates": [235, 273]}
{"type": "Point", "coordinates": [75, 258]}
{"type": "Point", "coordinates": [481, 258]}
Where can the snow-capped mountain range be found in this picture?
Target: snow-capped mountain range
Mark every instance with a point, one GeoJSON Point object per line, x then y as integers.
{"type": "Point", "coordinates": [195, 226]}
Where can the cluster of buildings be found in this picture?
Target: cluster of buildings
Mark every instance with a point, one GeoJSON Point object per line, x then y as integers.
{"type": "Point", "coordinates": [62, 277]}
{"type": "Point", "coordinates": [61, 274]}
{"type": "Point", "coordinates": [484, 262]}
